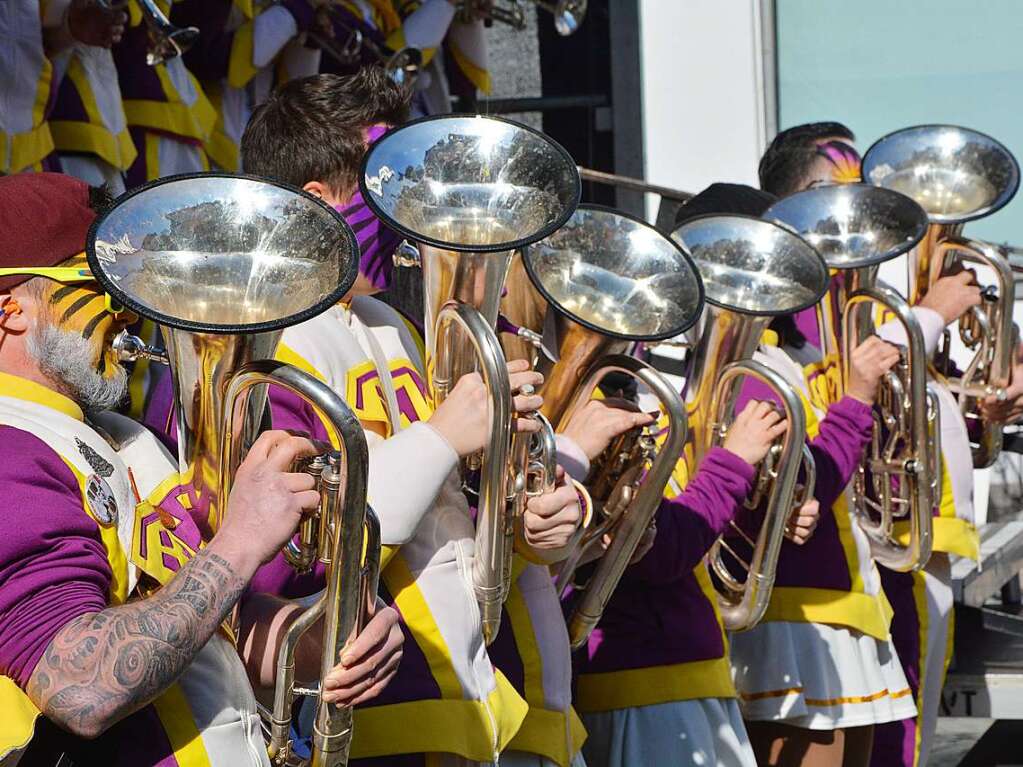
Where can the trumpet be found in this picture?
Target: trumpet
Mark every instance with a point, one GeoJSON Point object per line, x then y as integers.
{"type": "Point", "coordinates": [752, 270]}
{"type": "Point", "coordinates": [609, 281]}
{"type": "Point", "coordinates": [205, 256]}
{"type": "Point", "coordinates": [856, 228]}
{"type": "Point", "coordinates": [568, 14]}
{"type": "Point", "coordinates": [166, 41]}
{"type": "Point", "coordinates": [470, 190]}
{"type": "Point", "coordinates": [403, 66]}
{"type": "Point", "coordinates": [958, 175]}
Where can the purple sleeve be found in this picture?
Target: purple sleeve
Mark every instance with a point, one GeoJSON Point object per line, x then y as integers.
{"type": "Point", "coordinates": [688, 524]}
{"type": "Point", "coordinates": [291, 412]}
{"type": "Point", "coordinates": [838, 447]}
{"type": "Point", "coordinates": [53, 565]}
{"type": "Point", "coordinates": [160, 407]}
{"type": "Point", "coordinates": [279, 578]}
{"type": "Point", "coordinates": [754, 389]}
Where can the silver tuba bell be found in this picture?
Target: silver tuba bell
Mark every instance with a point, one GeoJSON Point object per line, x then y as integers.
{"type": "Point", "coordinates": [856, 227]}
{"type": "Point", "coordinates": [752, 271]}
{"type": "Point", "coordinates": [610, 281]}
{"type": "Point", "coordinates": [958, 175]}
{"type": "Point", "coordinates": [223, 264]}
{"type": "Point", "coordinates": [470, 190]}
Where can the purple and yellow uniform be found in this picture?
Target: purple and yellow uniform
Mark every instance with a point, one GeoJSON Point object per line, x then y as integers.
{"type": "Point", "coordinates": [88, 123]}
{"type": "Point", "coordinates": [95, 526]}
{"type": "Point", "coordinates": [922, 600]}
{"type": "Point", "coordinates": [657, 664]}
{"type": "Point", "coordinates": [25, 89]}
{"type": "Point", "coordinates": [446, 683]}
{"type": "Point", "coordinates": [168, 115]}
{"type": "Point", "coordinates": [245, 50]}
{"type": "Point", "coordinates": [826, 629]}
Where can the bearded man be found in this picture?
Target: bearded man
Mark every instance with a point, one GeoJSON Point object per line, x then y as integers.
{"type": "Point", "coordinates": [112, 607]}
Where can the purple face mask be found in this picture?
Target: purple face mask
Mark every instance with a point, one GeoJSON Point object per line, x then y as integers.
{"type": "Point", "coordinates": [377, 243]}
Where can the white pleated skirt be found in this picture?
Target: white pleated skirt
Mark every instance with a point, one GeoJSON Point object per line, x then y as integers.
{"type": "Point", "coordinates": [818, 677]}
{"type": "Point", "coordinates": [703, 732]}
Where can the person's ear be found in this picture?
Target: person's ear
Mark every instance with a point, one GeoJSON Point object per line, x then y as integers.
{"type": "Point", "coordinates": [12, 316]}
{"type": "Point", "coordinates": [315, 188]}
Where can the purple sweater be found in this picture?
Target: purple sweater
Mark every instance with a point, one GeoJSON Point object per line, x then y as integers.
{"type": "Point", "coordinates": [658, 615]}
{"type": "Point", "coordinates": [842, 435]}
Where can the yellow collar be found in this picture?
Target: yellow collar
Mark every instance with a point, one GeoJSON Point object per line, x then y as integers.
{"type": "Point", "coordinates": [22, 388]}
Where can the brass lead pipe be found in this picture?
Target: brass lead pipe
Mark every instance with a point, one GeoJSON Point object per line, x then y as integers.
{"type": "Point", "coordinates": [346, 516]}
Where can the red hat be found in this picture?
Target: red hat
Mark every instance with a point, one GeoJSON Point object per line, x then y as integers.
{"type": "Point", "coordinates": [44, 220]}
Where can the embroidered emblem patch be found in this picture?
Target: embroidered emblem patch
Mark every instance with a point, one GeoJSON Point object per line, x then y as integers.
{"type": "Point", "coordinates": [98, 463]}
{"type": "Point", "coordinates": [101, 500]}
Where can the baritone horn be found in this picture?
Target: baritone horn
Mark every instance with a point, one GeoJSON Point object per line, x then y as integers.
{"type": "Point", "coordinates": [610, 281]}
{"type": "Point", "coordinates": [752, 271]}
{"type": "Point", "coordinates": [470, 190]}
{"type": "Point", "coordinates": [207, 257]}
{"type": "Point", "coordinates": [856, 228]}
{"type": "Point", "coordinates": [958, 175]}
{"type": "Point", "coordinates": [568, 15]}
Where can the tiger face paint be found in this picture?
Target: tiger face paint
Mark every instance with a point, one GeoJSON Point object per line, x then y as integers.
{"type": "Point", "coordinates": [81, 308]}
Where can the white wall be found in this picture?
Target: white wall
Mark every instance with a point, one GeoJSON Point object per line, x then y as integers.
{"type": "Point", "coordinates": [702, 97]}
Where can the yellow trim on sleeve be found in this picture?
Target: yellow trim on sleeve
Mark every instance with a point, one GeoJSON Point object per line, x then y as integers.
{"type": "Point", "coordinates": [951, 535]}
{"type": "Point", "coordinates": [220, 147]}
{"type": "Point", "coordinates": [460, 727]}
{"type": "Point", "coordinates": [31, 146]}
{"type": "Point", "coordinates": [152, 156]}
{"type": "Point", "coordinates": [401, 584]}
{"type": "Point", "coordinates": [116, 556]}
{"type": "Point", "coordinates": [869, 614]}
{"type": "Point", "coordinates": [178, 722]}
{"type": "Point", "coordinates": [286, 354]}
{"type": "Point", "coordinates": [613, 690]}
{"type": "Point", "coordinates": [240, 69]}
{"type": "Point", "coordinates": [73, 136]}
{"type": "Point", "coordinates": [476, 74]}
{"type": "Point", "coordinates": [30, 391]}
{"type": "Point", "coordinates": [173, 116]}
{"type": "Point", "coordinates": [17, 725]}
{"type": "Point", "coordinates": [93, 135]}
{"type": "Point", "coordinates": [551, 734]}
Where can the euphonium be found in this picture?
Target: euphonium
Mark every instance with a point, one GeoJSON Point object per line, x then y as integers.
{"type": "Point", "coordinates": [752, 271]}
{"type": "Point", "coordinates": [856, 228]}
{"type": "Point", "coordinates": [958, 175]}
{"type": "Point", "coordinates": [470, 190]}
{"type": "Point", "coordinates": [223, 264]}
{"type": "Point", "coordinates": [610, 281]}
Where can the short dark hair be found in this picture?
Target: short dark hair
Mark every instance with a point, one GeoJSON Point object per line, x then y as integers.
{"type": "Point", "coordinates": [311, 129]}
{"type": "Point", "coordinates": [788, 158]}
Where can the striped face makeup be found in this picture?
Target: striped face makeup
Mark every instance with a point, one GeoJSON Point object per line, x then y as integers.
{"type": "Point", "coordinates": [81, 308]}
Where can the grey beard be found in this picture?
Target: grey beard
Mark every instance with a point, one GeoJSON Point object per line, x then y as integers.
{"type": "Point", "coordinates": [66, 359]}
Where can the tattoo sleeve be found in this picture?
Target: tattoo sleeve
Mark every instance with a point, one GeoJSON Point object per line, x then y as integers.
{"type": "Point", "coordinates": [103, 666]}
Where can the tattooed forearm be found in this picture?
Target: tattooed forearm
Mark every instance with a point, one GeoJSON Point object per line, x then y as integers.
{"type": "Point", "coordinates": [103, 666]}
